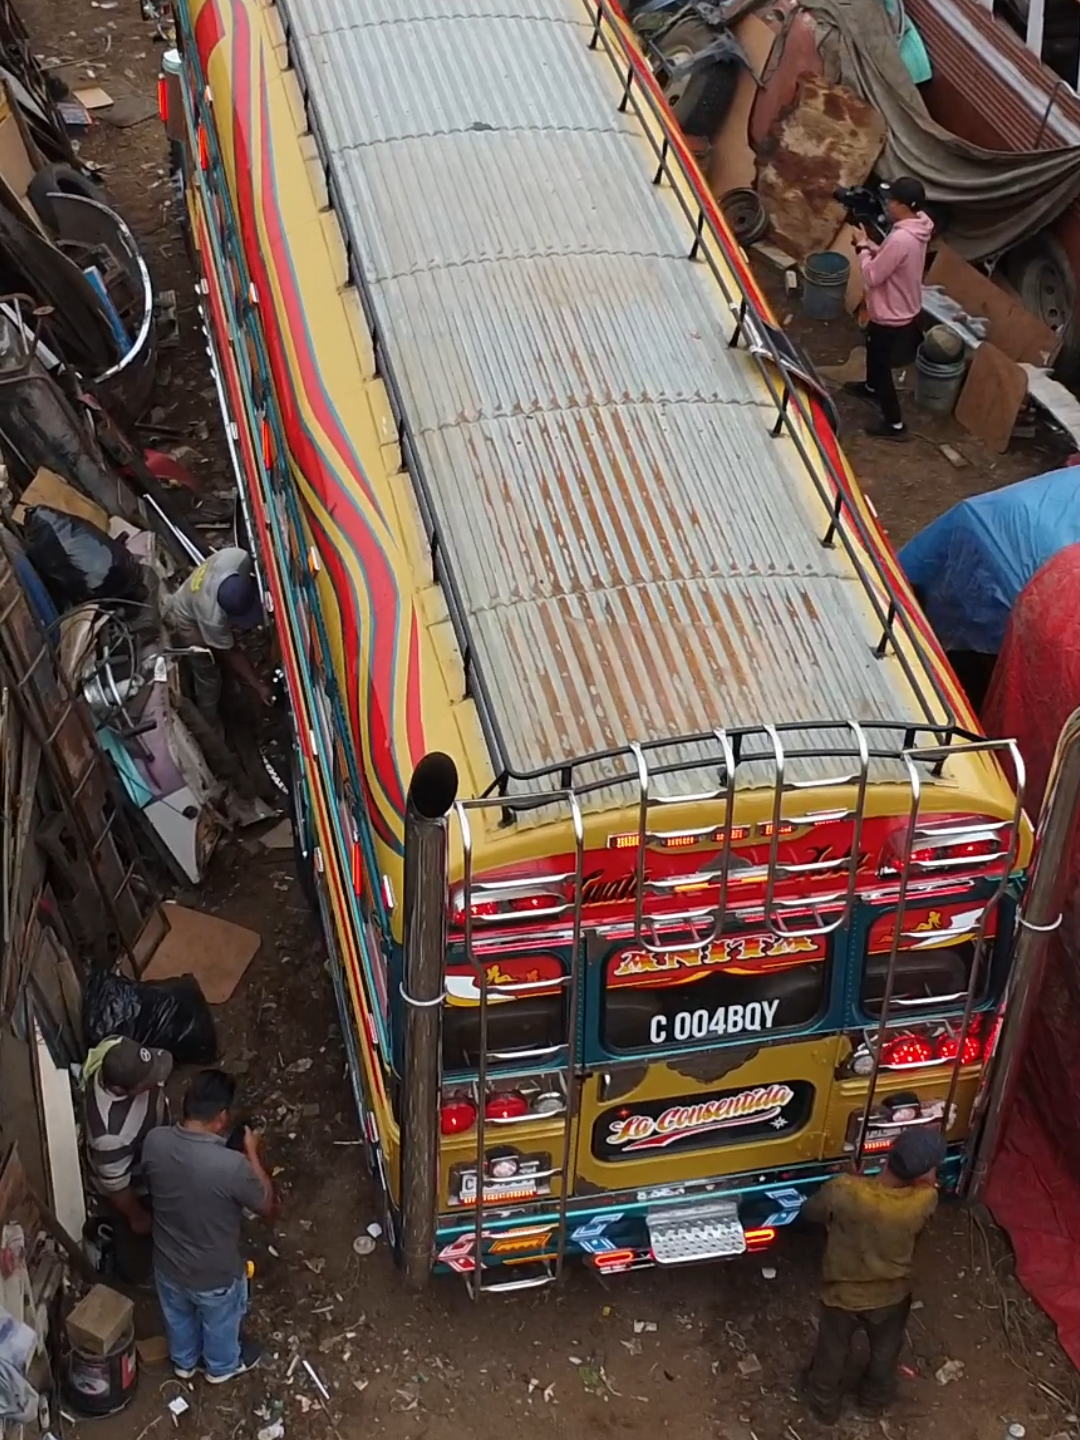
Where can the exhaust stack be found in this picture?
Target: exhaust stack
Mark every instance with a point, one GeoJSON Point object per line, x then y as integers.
{"type": "Point", "coordinates": [432, 793]}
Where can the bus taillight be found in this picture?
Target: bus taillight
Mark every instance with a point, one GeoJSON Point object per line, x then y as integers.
{"type": "Point", "coordinates": [905, 1050]}
{"type": "Point", "coordinates": [163, 99]}
{"type": "Point", "coordinates": [760, 1238]}
{"type": "Point", "coordinates": [948, 1047]}
{"type": "Point", "coordinates": [457, 1115]}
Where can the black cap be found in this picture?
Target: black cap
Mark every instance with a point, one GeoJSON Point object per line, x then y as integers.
{"type": "Point", "coordinates": [130, 1066]}
{"type": "Point", "coordinates": [916, 1152]}
{"type": "Point", "coordinates": [908, 191]}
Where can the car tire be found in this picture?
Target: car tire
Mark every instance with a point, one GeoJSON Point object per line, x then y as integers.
{"type": "Point", "coordinates": [1041, 275]}
{"type": "Point", "coordinates": [702, 100]}
{"type": "Point", "coordinates": [59, 180]}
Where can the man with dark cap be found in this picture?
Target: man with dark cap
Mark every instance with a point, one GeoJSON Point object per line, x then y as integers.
{"type": "Point", "coordinates": [217, 599]}
{"type": "Point", "coordinates": [892, 273]}
{"type": "Point", "coordinates": [873, 1223]}
{"type": "Point", "coordinates": [124, 1093]}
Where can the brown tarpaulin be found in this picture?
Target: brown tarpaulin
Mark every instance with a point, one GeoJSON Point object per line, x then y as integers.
{"type": "Point", "coordinates": [994, 198]}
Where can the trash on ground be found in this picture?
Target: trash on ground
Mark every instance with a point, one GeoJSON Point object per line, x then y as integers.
{"type": "Point", "coordinates": [951, 1370]}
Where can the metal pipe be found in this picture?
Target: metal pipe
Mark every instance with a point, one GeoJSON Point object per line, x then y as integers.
{"type": "Point", "coordinates": [1040, 917]}
{"type": "Point", "coordinates": [432, 793]}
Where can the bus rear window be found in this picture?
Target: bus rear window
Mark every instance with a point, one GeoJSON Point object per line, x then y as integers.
{"type": "Point", "coordinates": [930, 971]}
{"type": "Point", "coordinates": [523, 1013]}
{"type": "Point", "coordinates": [742, 987]}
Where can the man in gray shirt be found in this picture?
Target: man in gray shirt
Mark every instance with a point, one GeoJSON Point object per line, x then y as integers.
{"type": "Point", "coordinates": [217, 599]}
{"type": "Point", "coordinates": [199, 1189]}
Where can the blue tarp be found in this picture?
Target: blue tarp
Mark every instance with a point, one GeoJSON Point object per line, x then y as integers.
{"type": "Point", "coordinates": [969, 566]}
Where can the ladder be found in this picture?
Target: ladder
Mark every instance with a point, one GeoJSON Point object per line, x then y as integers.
{"type": "Point", "coordinates": [705, 926]}
{"type": "Point", "coordinates": [562, 1057]}
{"type": "Point", "coordinates": [918, 836]}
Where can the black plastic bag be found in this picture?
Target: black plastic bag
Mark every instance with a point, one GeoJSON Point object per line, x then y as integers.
{"type": "Point", "coordinates": [166, 1014]}
{"type": "Point", "coordinates": [77, 561]}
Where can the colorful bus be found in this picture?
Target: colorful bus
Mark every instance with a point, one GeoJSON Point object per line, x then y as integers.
{"type": "Point", "coordinates": [663, 868]}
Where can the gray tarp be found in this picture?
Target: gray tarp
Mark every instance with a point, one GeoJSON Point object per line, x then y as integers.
{"type": "Point", "coordinates": [994, 198]}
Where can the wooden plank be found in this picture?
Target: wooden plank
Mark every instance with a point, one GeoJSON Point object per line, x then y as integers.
{"type": "Point", "coordinates": [1017, 333]}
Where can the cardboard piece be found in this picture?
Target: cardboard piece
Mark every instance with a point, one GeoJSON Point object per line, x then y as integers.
{"type": "Point", "coordinates": [216, 952]}
{"type": "Point", "coordinates": [732, 162]}
{"type": "Point", "coordinates": [994, 391]}
{"type": "Point", "coordinates": [48, 488]}
{"type": "Point", "coordinates": [852, 369]}
{"type": "Point", "coordinates": [93, 97]}
{"type": "Point", "coordinates": [1017, 333]}
{"type": "Point", "coordinates": [100, 1321]}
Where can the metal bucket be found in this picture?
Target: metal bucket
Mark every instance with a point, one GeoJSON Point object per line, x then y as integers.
{"type": "Point", "coordinates": [825, 277]}
{"type": "Point", "coordinates": [96, 1385]}
{"type": "Point", "coordinates": [938, 383]}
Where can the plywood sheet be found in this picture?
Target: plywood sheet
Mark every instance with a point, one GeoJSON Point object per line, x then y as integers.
{"type": "Point", "coordinates": [732, 162]}
{"type": "Point", "coordinates": [828, 137]}
{"type": "Point", "coordinates": [994, 391]}
{"type": "Point", "coordinates": [1015, 331]}
{"type": "Point", "coordinates": [215, 951]}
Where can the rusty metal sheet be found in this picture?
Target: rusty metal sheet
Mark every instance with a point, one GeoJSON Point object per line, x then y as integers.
{"type": "Point", "coordinates": [826, 138]}
{"type": "Point", "coordinates": [637, 557]}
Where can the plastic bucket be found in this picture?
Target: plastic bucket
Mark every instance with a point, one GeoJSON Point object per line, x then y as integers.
{"type": "Point", "coordinates": [938, 382]}
{"type": "Point", "coordinates": [825, 277]}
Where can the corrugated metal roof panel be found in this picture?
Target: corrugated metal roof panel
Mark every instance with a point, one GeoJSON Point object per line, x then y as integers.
{"type": "Point", "coordinates": [635, 556]}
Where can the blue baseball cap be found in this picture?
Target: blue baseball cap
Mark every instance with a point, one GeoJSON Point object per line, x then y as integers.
{"type": "Point", "coordinates": [238, 596]}
{"type": "Point", "coordinates": [916, 1152]}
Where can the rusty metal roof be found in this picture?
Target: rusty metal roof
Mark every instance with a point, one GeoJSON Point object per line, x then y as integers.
{"type": "Point", "coordinates": [636, 556]}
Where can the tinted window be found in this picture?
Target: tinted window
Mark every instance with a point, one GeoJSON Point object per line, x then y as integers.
{"type": "Point", "coordinates": [534, 1019]}
{"type": "Point", "coordinates": [927, 971]}
{"type": "Point", "coordinates": [744, 986]}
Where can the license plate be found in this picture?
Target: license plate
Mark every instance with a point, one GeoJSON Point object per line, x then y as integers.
{"type": "Point", "coordinates": [695, 1232]}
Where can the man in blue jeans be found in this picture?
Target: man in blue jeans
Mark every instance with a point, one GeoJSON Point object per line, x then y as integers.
{"type": "Point", "coordinates": [199, 1189]}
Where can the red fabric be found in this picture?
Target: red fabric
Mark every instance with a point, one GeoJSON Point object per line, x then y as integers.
{"type": "Point", "coordinates": [1034, 1189]}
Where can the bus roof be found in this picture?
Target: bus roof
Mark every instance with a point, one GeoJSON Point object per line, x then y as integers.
{"type": "Point", "coordinates": [628, 553]}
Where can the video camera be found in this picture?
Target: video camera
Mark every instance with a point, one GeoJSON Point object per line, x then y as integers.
{"type": "Point", "coordinates": [866, 205]}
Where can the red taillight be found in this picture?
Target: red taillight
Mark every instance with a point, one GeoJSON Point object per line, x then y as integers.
{"type": "Point", "coordinates": [948, 1046]}
{"type": "Point", "coordinates": [760, 1238]}
{"type": "Point", "coordinates": [163, 99]}
{"type": "Point", "coordinates": [614, 1259]}
{"type": "Point", "coordinates": [204, 149]}
{"type": "Point", "coordinates": [506, 1105]}
{"type": "Point", "coordinates": [907, 1050]}
{"type": "Point", "coordinates": [457, 1115]}
{"type": "Point", "coordinates": [535, 902]}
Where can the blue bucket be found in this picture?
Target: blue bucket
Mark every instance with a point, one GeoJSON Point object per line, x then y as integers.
{"type": "Point", "coordinates": [825, 277]}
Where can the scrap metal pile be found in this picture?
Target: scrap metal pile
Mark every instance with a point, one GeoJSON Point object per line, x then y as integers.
{"type": "Point", "coordinates": [90, 532]}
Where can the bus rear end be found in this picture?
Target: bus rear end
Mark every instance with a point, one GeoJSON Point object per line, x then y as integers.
{"type": "Point", "coordinates": [663, 1025]}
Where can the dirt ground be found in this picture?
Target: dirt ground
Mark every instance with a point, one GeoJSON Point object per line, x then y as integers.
{"type": "Point", "coordinates": [709, 1352]}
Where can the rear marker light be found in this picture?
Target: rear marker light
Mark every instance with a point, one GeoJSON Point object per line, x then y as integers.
{"type": "Point", "coordinates": [907, 1050]}
{"type": "Point", "coordinates": [614, 1259]}
{"type": "Point", "coordinates": [163, 99]}
{"type": "Point", "coordinates": [506, 1105]}
{"type": "Point", "coordinates": [456, 1116]}
{"type": "Point", "coordinates": [760, 1238]}
{"type": "Point", "coordinates": [948, 1046]}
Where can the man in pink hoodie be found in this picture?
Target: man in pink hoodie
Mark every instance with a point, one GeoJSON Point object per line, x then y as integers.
{"type": "Point", "coordinates": [892, 273]}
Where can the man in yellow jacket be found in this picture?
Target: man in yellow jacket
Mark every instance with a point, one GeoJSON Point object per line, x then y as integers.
{"type": "Point", "coordinates": [873, 1223]}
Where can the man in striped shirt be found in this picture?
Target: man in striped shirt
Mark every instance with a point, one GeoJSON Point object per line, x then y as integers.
{"type": "Point", "coordinates": [124, 1085]}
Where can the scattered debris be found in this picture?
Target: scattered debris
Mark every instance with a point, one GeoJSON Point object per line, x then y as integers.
{"type": "Point", "coordinates": [768, 1272]}
{"type": "Point", "coordinates": [363, 1245]}
{"type": "Point", "coordinates": [274, 1431]}
{"type": "Point", "coordinates": [749, 1365]}
{"type": "Point", "coordinates": [644, 1327]}
{"type": "Point", "coordinates": [300, 1067]}
{"type": "Point", "coordinates": [953, 456]}
{"type": "Point", "coordinates": [951, 1370]}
